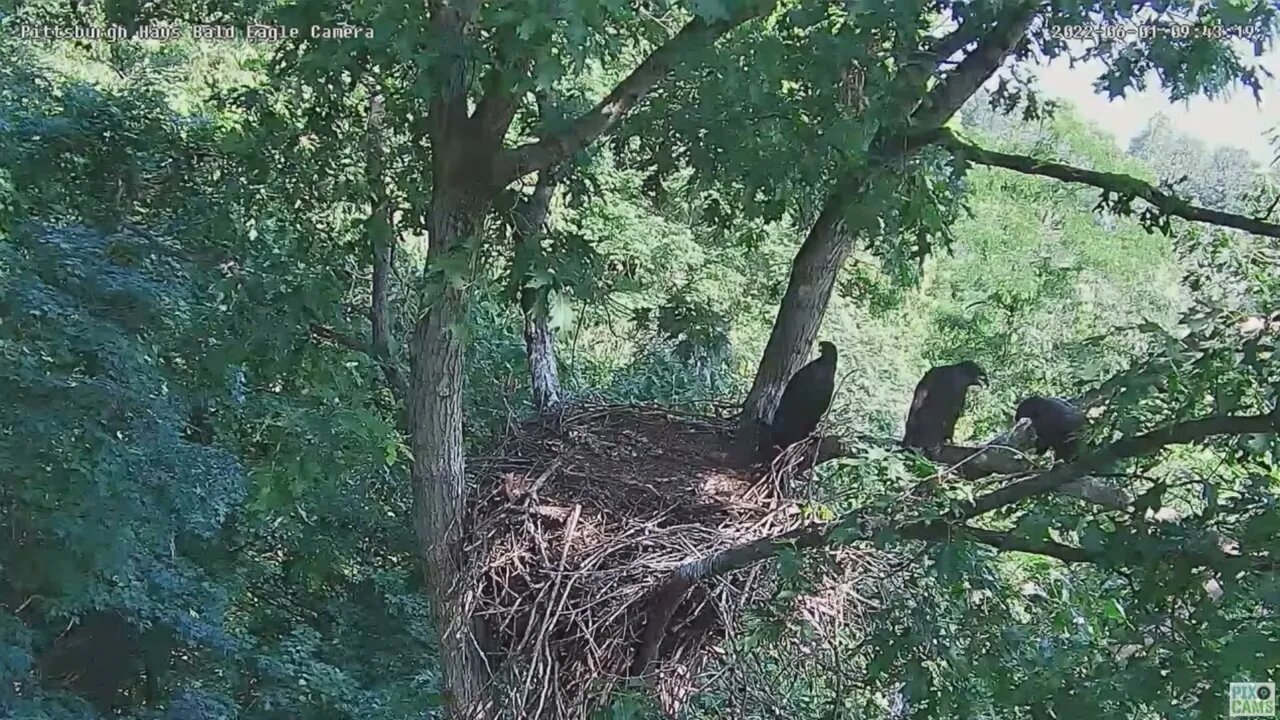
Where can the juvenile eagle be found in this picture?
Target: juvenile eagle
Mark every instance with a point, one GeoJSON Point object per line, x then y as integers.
{"type": "Point", "coordinates": [939, 402]}
{"type": "Point", "coordinates": [804, 401]}
{"type": "Point", "coordinates": [1057, 423]}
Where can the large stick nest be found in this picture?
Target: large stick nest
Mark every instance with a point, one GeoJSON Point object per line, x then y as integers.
{"type": "Point", "coordinates": [573, 526]}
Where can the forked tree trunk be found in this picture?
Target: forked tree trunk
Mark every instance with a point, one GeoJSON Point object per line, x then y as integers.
{"type": "Point", "coordinates": [816, 266]}
{"type": "Point", "coordinates": [539, 340]}
{"type": "Point", "coordinates": [469, 167]}
{"type": "Point", "coordinates": [813, 277]}
{"type": "Point", "coordinates": [439, 483]}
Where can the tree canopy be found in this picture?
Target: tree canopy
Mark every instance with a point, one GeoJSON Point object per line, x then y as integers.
{"type": "Point", "coordinates": [272, 309]}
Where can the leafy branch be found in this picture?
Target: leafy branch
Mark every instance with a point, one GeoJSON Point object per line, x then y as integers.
{"type": "Point", "coordinates": [862, 524]}
{"type": "Point", "coordinates": [392, 372]}
{"type": "Point", "coordinates": [552, 150]}
{"type": "Point", "coordinates": [955, 89]}
{"type": "Point", "coordinates": [1118, 190]}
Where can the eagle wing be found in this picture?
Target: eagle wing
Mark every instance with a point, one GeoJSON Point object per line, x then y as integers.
{"type": "Point", "coordinates": [917, 404]}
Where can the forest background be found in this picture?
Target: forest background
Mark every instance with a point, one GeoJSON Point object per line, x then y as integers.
{"type": "Point", "coordinates": [208, 508]}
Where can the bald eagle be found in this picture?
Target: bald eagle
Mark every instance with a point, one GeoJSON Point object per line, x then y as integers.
{"type": "Point", "coordinates": [1057, 423]}
{"type": "Point", "coordinates": [939, 402]}
{"type": "Point", "coordinates": [804, 401]}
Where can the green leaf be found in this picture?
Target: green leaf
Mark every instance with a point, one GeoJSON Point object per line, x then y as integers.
{"type": "Point", "coordinates": [560, 312]}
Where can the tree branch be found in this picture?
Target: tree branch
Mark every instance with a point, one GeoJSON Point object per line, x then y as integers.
{"type": "Point", "coordinates": [1173, 548]}
{"type": "Point", "coordinates": [1005, 455]}
{"type": "Point", "coordinates": [529, 223]}
{"type": "Point", "coordinates": [861, 525]}
{"type": "Point", "coordinates": [549, 151]}
{"type": "Point", "coordinates": [389, 369]}
{"type": "Point", "coordinates": [1112, 182]}
{"type": "Point", "coordinates": [450, 22]}
{"type": "Point", "coordinates": [497, 107]}
{"type": "Point", "coordinates": [323, 332]}
{"type": "Point", "coordinates": [939, 104]}
{"type": "Point", "coordinates": [829, 241]}
{"type": "Point", "coordinates": [1007, 542]}
{"type": "Point", "coordinates": [667, 596]}
{"type": "Point", "coordinates": [942, 48]}
{"type": "Point", "coordinates": [381, 239]}
{"type": "Point", "coordinates": [1149, 373]}
{"type": "Point", "coordinates": [955, 90]}
{"type": "Point", "coordinates": [1130, 447]}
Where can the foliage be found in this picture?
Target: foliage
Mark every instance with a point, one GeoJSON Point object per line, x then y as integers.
{"type": "Point", "coordinates": [88, 398]}
{"type": "Point", "coordinates": [188, 455]}
{"type": "Point", "coordinates": [175, 455]}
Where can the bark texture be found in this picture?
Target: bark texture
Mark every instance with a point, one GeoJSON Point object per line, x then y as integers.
{"type": "Point", "coordinates": [809, 288]}
{"type": "Point", "coordinates": [539, 345]}
{"type": "Point", "coordinates": [381, 237]}
{"type": "Point", "coordinates": [539, 339]}
{"type": "Point", "coordinates": [439, 482]}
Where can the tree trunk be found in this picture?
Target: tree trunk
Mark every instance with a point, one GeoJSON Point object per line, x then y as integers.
{"type": "Point", "coordinates": [814, 271]}
{"type": "Point", "coordinates": [539, 345]}
{"type": "Point", "coordinates": [380, 309]}
{"type": "Point", "coordinates": [813, 277]}
{"type": "Point", "coordinates": [381, 239]}
{"type": "Point", "coordinates": [439, 482]}
{"type": "Point", "coordinates": [539, 340]}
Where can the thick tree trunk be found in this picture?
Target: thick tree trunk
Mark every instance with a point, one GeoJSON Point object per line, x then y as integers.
{"type": "Point", "coordinates": [813, 277]}
{"type": "Point", "coordinates": [539, 340]}
{"type": "Point", "coordinates": [439, 483]}
{"type": "Point", "coordinates": [469, 168]}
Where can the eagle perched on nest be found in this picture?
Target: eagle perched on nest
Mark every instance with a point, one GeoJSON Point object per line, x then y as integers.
{"type": "Point", "coordinates": [804, 401]}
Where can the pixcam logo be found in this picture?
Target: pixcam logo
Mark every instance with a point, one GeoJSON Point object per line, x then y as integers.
{"type": "Point", "coordinates": [1253, 700]}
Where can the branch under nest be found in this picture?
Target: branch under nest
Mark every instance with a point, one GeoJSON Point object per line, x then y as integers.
{"type": "Point", "coordinates": [621, 542]}
{"type": "Point", "coordinates": [577, 524]}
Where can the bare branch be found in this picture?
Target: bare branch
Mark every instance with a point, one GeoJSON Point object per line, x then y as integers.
{"type": "Point", "coordinates": [549, 151]}
{"type": "Point", "coordinates": [1112, 182]}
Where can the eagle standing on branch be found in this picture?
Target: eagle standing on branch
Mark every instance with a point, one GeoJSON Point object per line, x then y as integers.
{"type": "Point", "coordinates": [939, 402]}
{"type": "Point", "coordinates": [804, 401]}
{"type": "Point", "coordinates": [1057, 423]}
